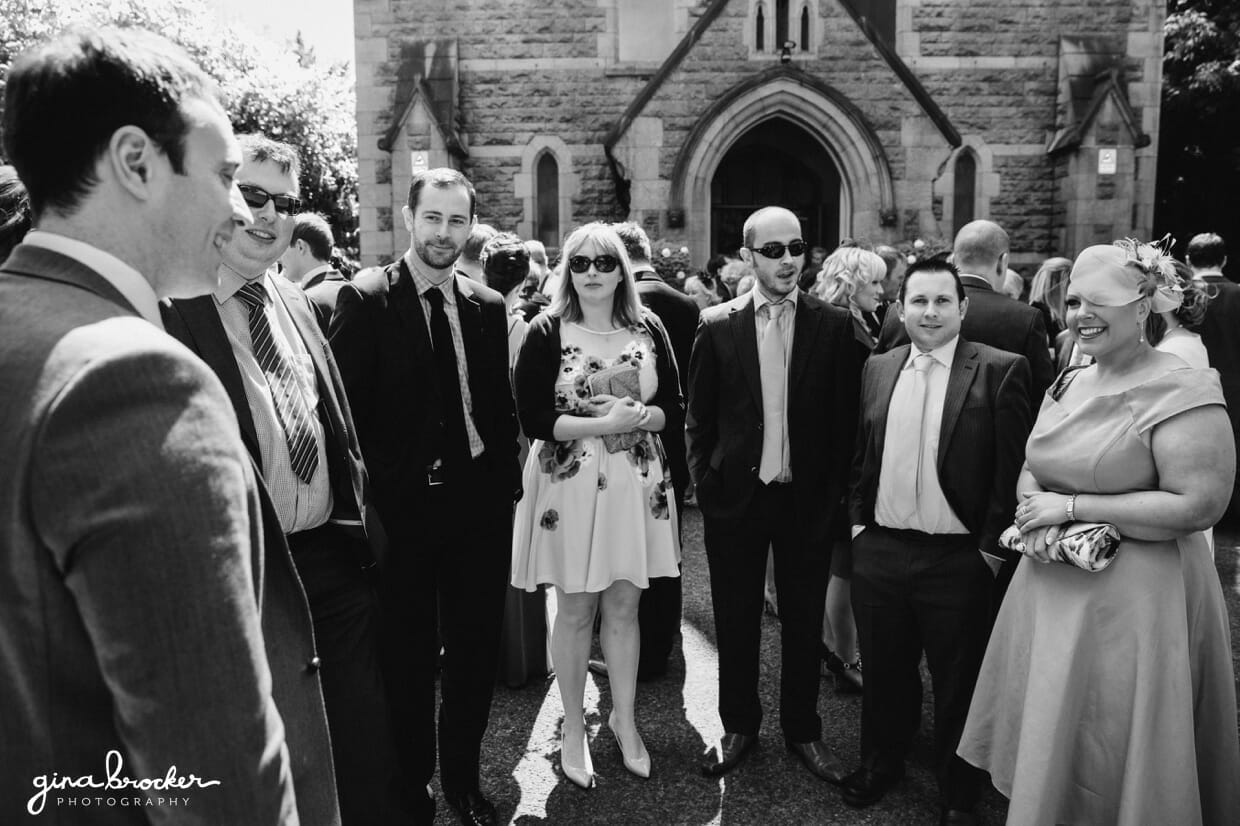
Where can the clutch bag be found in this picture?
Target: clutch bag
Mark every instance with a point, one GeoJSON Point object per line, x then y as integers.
{"type": "Point", "coordinates": [622, 381]}
{"type": "Point", "coordinates": [1090, 546]}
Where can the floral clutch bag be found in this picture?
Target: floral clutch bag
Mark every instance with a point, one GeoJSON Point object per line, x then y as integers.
{"type": "Point", "coordinates": [622, 381]}
{"type": "Point", "coordinates": [1090, 546]}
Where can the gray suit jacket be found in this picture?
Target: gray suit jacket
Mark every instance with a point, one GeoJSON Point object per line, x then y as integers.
{"type": "Point", "coordinates": [132, 574]}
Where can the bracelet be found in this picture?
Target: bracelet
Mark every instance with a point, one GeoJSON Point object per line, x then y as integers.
{"type": "Point", "coordinates": [1070, 508]}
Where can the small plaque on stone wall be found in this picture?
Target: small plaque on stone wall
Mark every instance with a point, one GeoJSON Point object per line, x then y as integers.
{"type": "Point", "coordinates": [1108, 160]}
{"type": "Point", "coordinates": [418, 161]}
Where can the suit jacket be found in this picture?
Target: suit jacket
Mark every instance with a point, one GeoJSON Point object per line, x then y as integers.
{"type": "Point", "coordinates": [724, 415]}
{"type": "Point", "coordinates": [132, 568]}
{"type": "Point", "coordinates": [986, 421]}
{"type": "Point", "coordinates": [679, 314]}
{"type": "Point", "coordinates": [322, 290]}
{"type": "Point", "coordinates": [1220, 333]}
{"type": "Point", "coordinates": [196, 322]}
{"type": "Point", "coordinates": [380, 338]}
{"type": "Point", "coordinates": [996, 320]}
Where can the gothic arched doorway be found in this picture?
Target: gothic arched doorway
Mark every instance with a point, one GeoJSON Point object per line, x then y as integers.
{"type": "Point", "coordinates": [776, 163]}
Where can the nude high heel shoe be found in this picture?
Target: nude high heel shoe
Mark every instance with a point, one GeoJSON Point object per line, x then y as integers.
{"type": "Point", "coordinates": [583, 775]}
{"type": "Point", "coordinates": [639, 765]}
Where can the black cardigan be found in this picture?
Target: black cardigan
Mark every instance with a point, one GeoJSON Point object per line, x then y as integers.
{"type": "Point", "coordinates": [538, 366]}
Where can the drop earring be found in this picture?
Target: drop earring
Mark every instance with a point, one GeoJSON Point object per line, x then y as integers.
{"type": "Point", "coordinates": [1141, 331]}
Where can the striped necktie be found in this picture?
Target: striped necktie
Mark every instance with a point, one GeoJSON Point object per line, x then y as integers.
{"type": "Point", "coordinates": [291, 408]}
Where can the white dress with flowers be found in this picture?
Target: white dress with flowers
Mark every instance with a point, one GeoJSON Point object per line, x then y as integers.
{"type": "Point", "coordinates": [590, 518]}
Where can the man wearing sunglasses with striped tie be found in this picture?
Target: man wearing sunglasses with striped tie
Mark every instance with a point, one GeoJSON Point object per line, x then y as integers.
{"type": "Point", "coordinates": [260, 334]}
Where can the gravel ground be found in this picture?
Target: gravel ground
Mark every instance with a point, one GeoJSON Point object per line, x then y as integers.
{"type": "Point", "coordinates": [678, 719]}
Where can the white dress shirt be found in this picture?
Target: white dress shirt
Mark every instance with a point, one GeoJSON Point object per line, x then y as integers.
{"type": "Point", "coordinates": [127, 281]}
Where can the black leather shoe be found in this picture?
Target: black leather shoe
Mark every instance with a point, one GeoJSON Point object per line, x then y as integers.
{"type": "Point", "coordinates": [732, 749]}
{"type": "Point", "coordinates": [865, 788]}
{"type": "Point", "coordinates": [957, 817]}
{"type": "Point", "coordinates": [474, 809]}
{"type": "Point", "coordinates": [820, 760]}
{"type": "Point", "coordinates": [598, 668]}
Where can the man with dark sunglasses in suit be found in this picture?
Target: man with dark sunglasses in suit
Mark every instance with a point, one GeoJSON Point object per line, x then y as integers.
{"type": "Point", "coordinates": [773, 386]}
{"type": "Point", "coordinates": [259, 333]}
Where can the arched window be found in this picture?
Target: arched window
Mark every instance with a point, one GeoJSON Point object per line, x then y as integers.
{"type": "Point", "coordinates": [805, 28]}
{"type": "Point", "coordinates": [759, 34]}
{"type": "Point", "coordinates": [964, 191]}
{"type": "Point", "coordinates": [781, 23]}
{"type": "Point", "coordinates": [547, 201]}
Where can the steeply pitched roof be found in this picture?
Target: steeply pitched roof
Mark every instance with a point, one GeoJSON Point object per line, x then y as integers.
{"type": "Point", "coordinates": [428, 76]}
{"type": "Point", "coordinates": [1085, 97]}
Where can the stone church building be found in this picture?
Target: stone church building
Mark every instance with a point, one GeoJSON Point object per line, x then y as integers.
{"type": "Point", "coordinates": [882, 120]}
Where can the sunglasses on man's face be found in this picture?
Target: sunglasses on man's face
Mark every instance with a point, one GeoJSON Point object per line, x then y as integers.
{"type": "Point", "coordinates": [776, 249]}
{"type": "Point", "coordinates": [602, 263]}
{"type": "Point", "coordinates": [256, 198]}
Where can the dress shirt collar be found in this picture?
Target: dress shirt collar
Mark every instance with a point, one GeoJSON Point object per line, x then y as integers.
{"type": "Point", "coordinates": [127, 281]}
{"type": "Point", "coordinates": [760, 299]}
{"type": "Point", "coordinates": [943, 354]}
{"type": "Point", "coordinates": [231, 281]}
{"type": "Point", "coordinates": [423, 282]}
{"type": "Point", "coordinates": [972, 280]}
{"type": "Point", "coordinates": [645, 272]}
{"type": "Point", "coordinates": [310, 274]}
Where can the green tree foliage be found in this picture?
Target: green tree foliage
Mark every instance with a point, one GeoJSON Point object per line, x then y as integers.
{"type": "Point", "coordinates": [282, 92]}
{"type": "Point", "coordinates": [1199, 154]}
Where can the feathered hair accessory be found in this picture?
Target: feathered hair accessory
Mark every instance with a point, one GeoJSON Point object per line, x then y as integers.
{"type": "Point", "coordinates": [1154, 260]}
{"type": "Point", "coordinates": [1112, 275]}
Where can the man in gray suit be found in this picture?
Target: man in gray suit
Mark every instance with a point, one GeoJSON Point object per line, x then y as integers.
{"type": "Point", "coordinates": [131, 564]}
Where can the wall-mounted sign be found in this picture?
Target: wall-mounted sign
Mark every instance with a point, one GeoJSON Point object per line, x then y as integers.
{"type": "Point", "coordinates": [1108, 160]}
{"type": "Point", "coordinates": [419, 161]}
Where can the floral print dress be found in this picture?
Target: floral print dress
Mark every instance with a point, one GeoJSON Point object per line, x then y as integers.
{"type": "Point", "coordinates": [590, 517]}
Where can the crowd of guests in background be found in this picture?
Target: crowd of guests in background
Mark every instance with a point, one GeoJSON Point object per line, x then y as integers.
{"type": "Point", "coordinates": [254, 546]}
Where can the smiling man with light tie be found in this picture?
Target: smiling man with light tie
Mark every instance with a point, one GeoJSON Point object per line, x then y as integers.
{"type": "Point", "coordinates": [940, 444]}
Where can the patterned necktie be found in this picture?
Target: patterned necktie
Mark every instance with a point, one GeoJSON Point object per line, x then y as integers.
{"type": "Point", "coordinates": [774, 373]}
{"type": "Point", "coordinates": [909, 464]}
{"type": "Point", "coordinates": [449, 378]}
{"type": "Point", "coordinates": [291, 408]}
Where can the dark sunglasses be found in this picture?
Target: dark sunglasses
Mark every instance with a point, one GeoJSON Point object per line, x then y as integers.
{"type": "Point", "coordinates": [256, 198]}
{"type": "Point", "coordinates": [602, 263]}
{"type": "Point", "coordinates": [776, 249]}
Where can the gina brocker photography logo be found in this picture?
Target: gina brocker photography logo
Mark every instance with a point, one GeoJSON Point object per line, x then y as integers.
{"type": "Point", "coordinates": [114, 789]}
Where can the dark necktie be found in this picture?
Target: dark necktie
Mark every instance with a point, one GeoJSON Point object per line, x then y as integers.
{"type": "Point", "coordinates": [291, 408]}
{"type": "Point", "coordinates": [457, 441]}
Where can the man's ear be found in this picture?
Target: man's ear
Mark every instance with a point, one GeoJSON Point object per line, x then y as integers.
{"type": "Point", "coordinates": [964, 306]}
{"type": "Point", "coordinates": [407, 214]}
{"type": "Point", "coordinates": [132, 157]}
{"type": "Point", "coordinates": [1003, 266]}
{"type": "Point", "coordinates": [746, 255]}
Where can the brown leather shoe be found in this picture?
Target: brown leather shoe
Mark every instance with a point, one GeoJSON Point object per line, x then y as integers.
{"type": "Point", "coordinates": [732, 749]}
{"type": "Point", "coordinates": [820, 760]}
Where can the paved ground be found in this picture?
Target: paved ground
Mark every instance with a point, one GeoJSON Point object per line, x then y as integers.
{"type": "Point", "coordinates": [678, 719]}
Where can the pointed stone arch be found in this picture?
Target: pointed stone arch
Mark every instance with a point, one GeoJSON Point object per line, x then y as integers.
{"type": "Point", "coordinates": [867, 190]}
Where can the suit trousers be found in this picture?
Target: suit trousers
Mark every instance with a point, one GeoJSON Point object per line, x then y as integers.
{"type": "Point", "coordinates": [736, 550]}
{"type": "Point", "coordinates": [445, 585]}
{"type": "Point", "coordinates": [915, 592]}
{"type": "Point", "coordinates": [658, 615]}
{"type": "Point", "coordinates": [345, 610]}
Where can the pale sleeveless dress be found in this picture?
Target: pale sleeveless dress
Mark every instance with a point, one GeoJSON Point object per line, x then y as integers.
{"type": "Point", "coordinates": [590, 518]}
{"type": "Point", "coordinates": [1109, 698]}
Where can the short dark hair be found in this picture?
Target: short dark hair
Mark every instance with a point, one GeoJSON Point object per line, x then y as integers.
{"type": "Point", "coordinates": [1206, 250]}
{"type": "Point", "coordinates": [932, 265]}
{"type": "Point", "coordinates": [65, 98]}
{"type": "Point", "coordinates": [479, 234]}
{"type": "Point", "coordinates": [442, 177]}
{"type": "Point", "coordinates": [505, 262]}
{"type": "Point", "coordinates": [636, 241]}
{"type": "Point", "coordinates": [316, 232]}
{"type": "Point", "coordinates": [262, 149]}
{"type": "Point", "coordinates": [890, 255]}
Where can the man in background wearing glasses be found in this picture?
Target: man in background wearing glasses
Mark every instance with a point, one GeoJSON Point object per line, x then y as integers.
{"type": "Point", "coordinates": [773, 388]}
{"type": "Point", "coordinates": [424, 354]}
{"type": "Point", "coordinates": [259, 333]}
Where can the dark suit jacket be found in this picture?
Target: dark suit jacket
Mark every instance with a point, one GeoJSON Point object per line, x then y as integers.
{"type": "Point", "coordinates": [380, 338]}
{"type": "Point", "coordinates": [135, 589]}
{"type": "Point", "coordinates": [1220, 333]}
{"type": "Point", "coordinates": [322, 290]}
{"type": "Point", "coordinates": [724, 417]}
{"type": "Point", "coordinates": [197, 323]}
{"type": "Point", "coordinates": [679, 314]}
{"type": "Point", "coordinates": [986, 421]}
{"type": "Point", "coordinates": [996, 320]}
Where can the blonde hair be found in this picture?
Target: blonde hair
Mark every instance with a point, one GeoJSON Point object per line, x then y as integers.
{"type": "Point", "coordinates": [626, 308]}
{"type": "Point", "coordinates": [846, 270]}
{"type": "Point", "coordinates": [1050, 286]}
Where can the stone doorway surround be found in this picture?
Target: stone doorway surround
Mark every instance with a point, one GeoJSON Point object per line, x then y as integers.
{"type": "Point", "coordinates": [867, 192]}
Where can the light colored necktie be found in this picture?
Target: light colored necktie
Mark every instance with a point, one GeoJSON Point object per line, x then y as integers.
{"type": "Point", "coordinates": [906, 484]}
{"type": "Point", "coordinates": [774, 372]}
{"type": "Point", "coordinates": [291, 409]}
